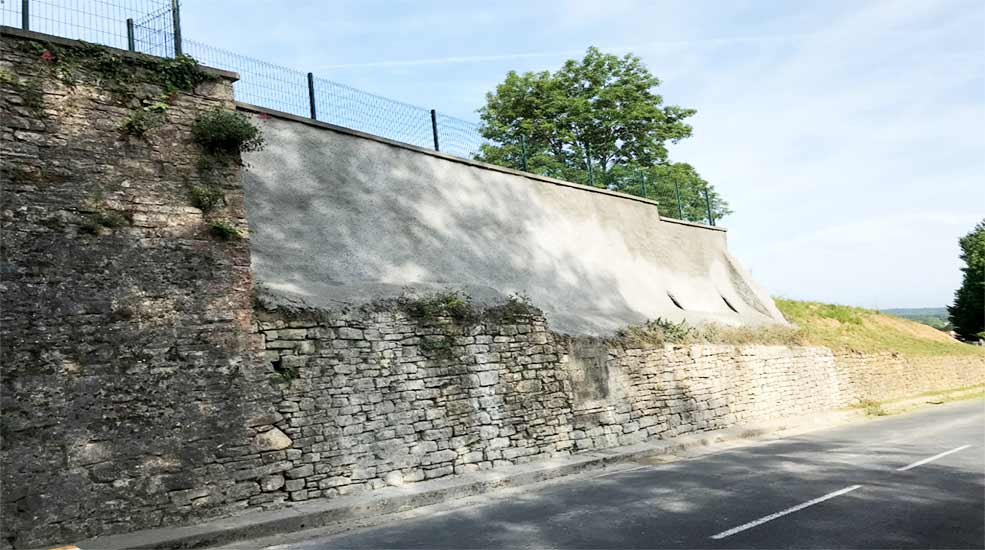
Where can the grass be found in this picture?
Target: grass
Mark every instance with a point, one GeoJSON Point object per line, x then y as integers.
{"type": "Point", "coordinates": [906, 404]}
{"type": "Point", "coordinates": [660, 331]}
{"type": "Point", "coordinates": [841, 328]}
{"type": "Point", "coordinates": [872, 408]}
{"type": "Point", "coordinates": [858, 329]}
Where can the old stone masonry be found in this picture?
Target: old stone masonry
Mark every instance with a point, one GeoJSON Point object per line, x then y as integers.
{"type": "Point", "coordinates": [148, 381]}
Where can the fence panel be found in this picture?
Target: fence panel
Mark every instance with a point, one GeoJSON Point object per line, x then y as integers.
{"type": "Point", "coordinates": [260, 83]}
{"type": "Point", "coordinates": [458, 137]}
{"type": "Point", "coordinates": [98, 21]}
{"type": "Point", "coordinates": [346, 106]}
{"type": "Point", "coordinates": [284, 89]}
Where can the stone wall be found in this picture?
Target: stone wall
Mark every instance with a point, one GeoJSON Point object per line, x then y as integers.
{"type": "Point", "coordinates": [375, 398]}
{"type": "Point", "coordinates": [887, 376]}
{"type": "Point", "coordinates": [143, 387]}
{"type": "Point", "coordinates": [125, 329]}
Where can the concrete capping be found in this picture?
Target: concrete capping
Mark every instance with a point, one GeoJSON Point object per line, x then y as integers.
{"type": "Point", "coordinates": [693, 224]}
{"type": "Point", "coordinates": [469, 162]}
{"type": "Point", "coordinates": [21, 34]}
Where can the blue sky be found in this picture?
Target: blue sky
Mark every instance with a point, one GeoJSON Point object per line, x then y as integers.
{"type": "Point", "coordinates": [849, 137]}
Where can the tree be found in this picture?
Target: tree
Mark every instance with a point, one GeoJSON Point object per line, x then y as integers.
{"type": "Point", "coordinates": [664, 183]}
{"type": "Point", "coordinates": [594, 121]}
{"type": "Point", "coordinates": [968, 311]}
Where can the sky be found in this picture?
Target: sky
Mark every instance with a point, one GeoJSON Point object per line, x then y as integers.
{"type": "Point", "coordinates": [848, 136]}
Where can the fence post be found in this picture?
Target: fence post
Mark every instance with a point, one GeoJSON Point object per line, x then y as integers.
{"type": "Point", "coordinates": [311, 96]}
{"type": "Point", "coordinates": [176, 24]}
{"type": "Point", "coordinates": [523, 153]}
{"type": "Point", "coordinates": [130, 41]}
{"type": "Point", "coordinates": [25, 15]}
{"type": "Point", "coordinates": [588, 157]}
{"type": "Point", "coordinates": [643, 183]}
{"type": "Point", "coordinates": [677, 191]}
{"type": "Point", "coordinates": [434, 129]}
{"type": "Point", "coordinates": [711, 220]}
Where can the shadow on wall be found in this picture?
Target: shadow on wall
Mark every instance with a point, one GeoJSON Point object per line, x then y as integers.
{"type": "Point", "coordinates": [341, 220]}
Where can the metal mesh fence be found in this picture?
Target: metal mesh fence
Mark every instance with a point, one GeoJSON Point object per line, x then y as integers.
{"type": "Point", "coordinates": [459, 137]}
{"type": "Point", "coordinates": [154, 33]}
{"type": "Point", "coordinates": [351, 108]}
{"type": "Point", "coordinates": [99, 21]}
{"type": "Point", "coordinates": [148, 26]}
{"type": "Point", "coordinates": [260, 83]}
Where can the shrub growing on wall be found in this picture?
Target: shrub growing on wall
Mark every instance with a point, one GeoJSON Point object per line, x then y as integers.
{"type": "Point", "coordinates": [225, 132]}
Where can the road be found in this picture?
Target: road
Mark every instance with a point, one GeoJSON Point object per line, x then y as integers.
{"type": "Point", "coordinates": [908, 481]}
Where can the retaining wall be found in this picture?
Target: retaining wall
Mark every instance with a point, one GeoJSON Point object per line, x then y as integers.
{"type": "Point", "coordinates": [344, 218]}
{"type": "Point", "coordinates": [142, 388]}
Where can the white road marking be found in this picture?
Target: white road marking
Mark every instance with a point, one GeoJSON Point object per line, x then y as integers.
{"type": "Point", "coordinates": [931, 459]}
{"type": "Point", "coordinates": [782, 513]}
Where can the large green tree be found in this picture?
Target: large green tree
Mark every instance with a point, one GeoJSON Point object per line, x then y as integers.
{"type": "Point", "coordinates": [968, 311]}
{"type": "Point", "coordinates": [595, 121]}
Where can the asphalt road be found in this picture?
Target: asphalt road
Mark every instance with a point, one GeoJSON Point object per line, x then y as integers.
{"type": "Point", "coordinates": [866, 485]}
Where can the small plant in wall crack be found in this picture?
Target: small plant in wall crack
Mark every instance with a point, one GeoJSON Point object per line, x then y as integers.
{"type": "Point", "coordinates": [454, 305]}
{"type": "Point", "coordinates": [283, 374]}
{"type": "Point", "coordinates": [223, 229]}
{"type": "Point", "coordinates": [206, 197]}
{"type": "Point", "coordinates": [439, 346]}
{"type": "Point", "coordinates": [28, 89]}
{"type": "Point", "coordinates": [94, 222]}
{"type": "Point", "coordinates": [144, 119]}
{"type": "Point", "coordinates": [226, 133]}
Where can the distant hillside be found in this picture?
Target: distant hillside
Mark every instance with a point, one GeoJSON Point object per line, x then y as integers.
{"type": "Point", "coordinates": [933, 316]}
{"type": "Point", "coordinates": [846, 327]}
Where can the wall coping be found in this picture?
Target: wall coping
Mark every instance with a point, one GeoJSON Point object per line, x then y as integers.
{"type": "Point", "coordinates": [469, 162]}
{"type": "Point", "coordinates": [22, 34]}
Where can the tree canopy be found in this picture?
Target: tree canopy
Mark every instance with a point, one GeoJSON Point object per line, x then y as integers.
{"type": "Point", "coordinates": [596, 121]}
{"type": "Point", "coordinates": [968, 311]}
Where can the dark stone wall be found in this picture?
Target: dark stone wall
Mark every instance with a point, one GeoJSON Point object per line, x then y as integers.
{"type": "Point", "coordinates": [126, 346]}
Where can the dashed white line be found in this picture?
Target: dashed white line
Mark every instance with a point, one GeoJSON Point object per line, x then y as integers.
{"type": "Point", "coordinates": [931, 459]}
{"type": "Point", "coordinates": [782, 513]}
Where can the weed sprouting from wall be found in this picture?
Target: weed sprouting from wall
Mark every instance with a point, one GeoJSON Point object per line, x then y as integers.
{"type": "Point", "coordinates": [206, 197]}
{"type": "Point", "coordinates": [517, 308]}
{"type": "Point", "coordinates": [224, 230]}
{"type": "Point", "coordinates": [93, 222]}
{"type": "Point", "coordinates": [29, 90]}
{"type": "Point", "coordinates": [432, 308]}
{"type": "Point", "coordinates": [140, 121]}
{"type": "Point", "coordinates": [658, 332]}
{"type": "Point", "coordinates": [226, 133]}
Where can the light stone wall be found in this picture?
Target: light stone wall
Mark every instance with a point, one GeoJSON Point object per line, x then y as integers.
{"type": "Point", "coordinates": [376, 398]}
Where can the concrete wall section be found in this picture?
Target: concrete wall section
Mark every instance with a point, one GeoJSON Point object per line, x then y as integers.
{"type": "Point", "coordinates": [342, 219]}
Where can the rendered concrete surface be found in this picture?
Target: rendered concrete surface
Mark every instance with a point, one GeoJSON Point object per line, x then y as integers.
{"type": "Point", "coordinates": [340, 220]}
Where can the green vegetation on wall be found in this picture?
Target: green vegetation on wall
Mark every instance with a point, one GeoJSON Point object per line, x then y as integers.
{"type": "Point", "coordinates": [837, 327]}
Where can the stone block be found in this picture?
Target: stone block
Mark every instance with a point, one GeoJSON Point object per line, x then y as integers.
{"type": "Point", "coordinates": [301, 471]}
{"type": "Point", "coordinates": [270, 440]}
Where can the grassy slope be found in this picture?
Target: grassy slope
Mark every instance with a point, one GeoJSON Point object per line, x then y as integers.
{"type": "Point", "coordinates": [846, 327]}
